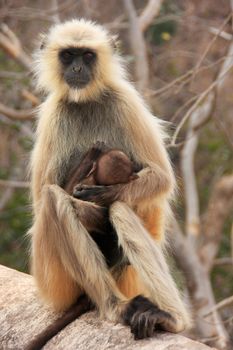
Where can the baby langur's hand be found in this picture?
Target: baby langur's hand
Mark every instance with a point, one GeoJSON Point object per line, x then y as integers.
{"type": "Point", "coordinates": [87, 192]}
{"type": "Point", "coordinates": [101, 195]}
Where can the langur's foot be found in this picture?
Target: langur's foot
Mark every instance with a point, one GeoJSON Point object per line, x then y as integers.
{"type": "Point", "coordinates": [144, 318]}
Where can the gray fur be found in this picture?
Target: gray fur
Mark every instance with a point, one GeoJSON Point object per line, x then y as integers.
{"type": "Point", "coordinates": [87, 123]}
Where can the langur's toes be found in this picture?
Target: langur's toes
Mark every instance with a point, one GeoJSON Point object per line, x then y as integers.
{"type": "Point", "coordinates": [144, 318]}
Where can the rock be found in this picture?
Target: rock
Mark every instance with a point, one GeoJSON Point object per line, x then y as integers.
{"type": "Point", "coordinates": [23, 316]}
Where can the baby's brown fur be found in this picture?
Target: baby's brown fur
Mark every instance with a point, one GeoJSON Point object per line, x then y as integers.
{"type": "Point", "coordinates": [101, 166]}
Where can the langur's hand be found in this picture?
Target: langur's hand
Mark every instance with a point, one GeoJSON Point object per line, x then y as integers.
{"type": "Point", "coordinates": [101, 195]}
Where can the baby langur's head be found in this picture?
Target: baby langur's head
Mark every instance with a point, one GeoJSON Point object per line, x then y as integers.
{"type": "Point", "coordinates": [77, 60]}
{"type": "Point", "coordinates": [114, 167]}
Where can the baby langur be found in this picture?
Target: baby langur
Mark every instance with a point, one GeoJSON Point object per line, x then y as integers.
{"type": "Point", "coordinates": [102, 166]}
{"type": "Point", "coordinates": [111, 168]}
{"type": "Point", "coordinates": [107, 167]}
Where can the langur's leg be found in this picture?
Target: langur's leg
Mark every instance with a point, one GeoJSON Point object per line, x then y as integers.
{"type": "Point", "coordinates": [92, 216]}
{"type": "Point", "coordinates": [83, 261]}
{"type": "Point", "coordinates": [147, 257]}
{"type": "Point", "coordinates": [59, 232]}
{"type": "Point", "coordinates": [55, 285]}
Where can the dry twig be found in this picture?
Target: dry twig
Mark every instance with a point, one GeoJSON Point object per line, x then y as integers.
{"type": "Point", "coordinates": [151, 11]}
{"type": "Point", "coordinates": [138, 47]}
{"type": "Point", "coordinates": [27, 114]}
{"type": "Point", "coordinates": [223, 261]}
{"type": "Point", "coordinates": [11, 44]}
{"type": "Point", "coordinates": [222, 304]}
{"type": "Point", "coordinates": [28, 95]}
{"type": "Point", "coordinates": [14, 183]}
{"type": "Point", "coordinates": [199, 287]}
{"type": "Point", "coordinates": [220, 205]}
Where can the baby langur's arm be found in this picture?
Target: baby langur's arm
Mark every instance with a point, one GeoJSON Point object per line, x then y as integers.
{"type": "Point", "coordinates": [85, 167]}
{"type": "Point", "coordinates": [113, 167]}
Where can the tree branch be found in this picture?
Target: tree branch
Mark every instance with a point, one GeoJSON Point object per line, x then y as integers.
{"type": "Point", "coordinates": [26, 114]}
{"type": "Point", "coordinates": [219, 207]}
{"type": "Point", "coordinates": [223, 261]}
{"type": "Point", "coordinates": [138, 47]}
{"type": "Point", "coordinates": [14, 183]}
{"type": "Point", "coordinates": [28, 95]}
{"type": "Point", "coordinates": [151, 11]}
{"type": "Point", "coordinates": [223, 303]}
{"type": "Point", "coordinates": [200, 113]}
{"type": "Point", "coordinates": [199, 288]}
{"type": "Point", "coordinates": [11, 44]}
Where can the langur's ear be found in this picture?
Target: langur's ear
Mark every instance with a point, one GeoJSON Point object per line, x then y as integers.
{"type": "Point", "coordinates": [42, 40]}
{"type": "Point", "coordinates": [115, 42]}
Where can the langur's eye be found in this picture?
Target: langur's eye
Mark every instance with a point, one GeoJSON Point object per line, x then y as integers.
{"type": "Point", "coordinates": [88, 56]}
{"type": "Point", "coordinates": [66, 56]}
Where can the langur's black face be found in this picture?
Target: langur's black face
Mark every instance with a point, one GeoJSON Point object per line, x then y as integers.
{"type": "Point", "coordinates": [77, 66]}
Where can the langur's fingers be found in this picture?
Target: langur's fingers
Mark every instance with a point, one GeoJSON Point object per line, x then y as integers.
{"type": "Point", "coordinates": [145, 317]}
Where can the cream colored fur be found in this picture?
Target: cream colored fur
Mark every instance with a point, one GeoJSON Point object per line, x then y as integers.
{"type": "Point", "coordinates": [61, 247]}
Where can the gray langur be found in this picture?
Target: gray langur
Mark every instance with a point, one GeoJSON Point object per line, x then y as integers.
{"type": "Point", "coordinates": [90, 99]}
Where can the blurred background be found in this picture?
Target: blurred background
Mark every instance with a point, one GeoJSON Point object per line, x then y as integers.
{"type": "Point", "coordinates": [180, 56]}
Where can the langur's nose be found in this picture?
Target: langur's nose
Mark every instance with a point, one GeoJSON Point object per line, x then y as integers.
{"type": "Point", "coordinates": [77, 69]}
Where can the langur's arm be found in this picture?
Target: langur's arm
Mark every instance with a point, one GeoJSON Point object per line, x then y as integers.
{"type": "Point", "coordinates": [155, 179]}
{"type": "Point", "coordinates": [59, 227]}
{"type": "Point", "coordinates": [147, 258]}
{"type": "Point", "coordinates": [152, 181]}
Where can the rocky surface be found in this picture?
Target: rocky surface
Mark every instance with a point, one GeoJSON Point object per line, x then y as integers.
{"type": "Point", "coordinates": [23, 316]}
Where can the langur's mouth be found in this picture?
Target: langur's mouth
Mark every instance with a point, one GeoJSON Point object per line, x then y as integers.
{"type": "Point", "coordinates": [77, 84]}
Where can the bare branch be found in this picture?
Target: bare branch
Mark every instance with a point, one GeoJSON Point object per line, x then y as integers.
{"type": "Point", "coordinates": [200, 100]}
{"type": "Point", "coordinates": [13, 183]}
{"type": "Point", "coordinates": [184, 79]}
{"type": "Point", "coordinates": [11, 44]}
{"type": "Point", "coordinates": [137, 25]}
{"type": "Point", "coordinates": [187, 166]}
{"type": "Point", "coordinates": [30, 97]}
{"type": "Point", "coordinates": [199, 287]}
{"type": "Point", "coordinates": [25, 129]}
{"type": "Point", "coordinates": [29, 13]}
{"type": "Point", "coordinates": [27, 114]}
{"type": "Point", "coordinates": [232, 241]}
{"type": "Point", "coordinates": [223, 303]}
{"type": "Point", "coordinates": [220, 205]}
{"type": "Point", "coordinates": [211, 44]}
{"type": "Point", "coordinates": [12, 75]}
{"type": "Point", "coordinates": [138, 47]}
{"type": "Point", "coordinates": [223, 261]}
{"type": "Point", "coordinates": [199, 114]}
{"type": "Point", "coordinates": [151, 11]}
{"type": "Point", "coordinates": [5, 197]}
{"type": "Point", "coordinates": [222, 34]}
{"type": "Point", "coordinates": [55, 8]}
